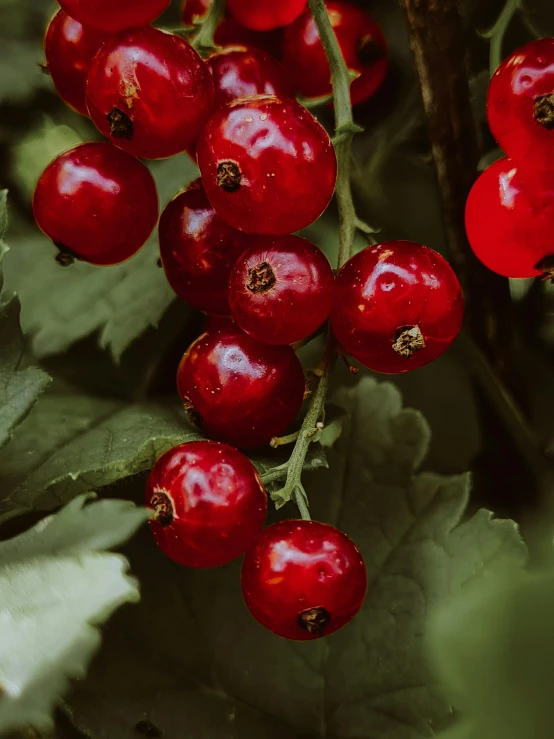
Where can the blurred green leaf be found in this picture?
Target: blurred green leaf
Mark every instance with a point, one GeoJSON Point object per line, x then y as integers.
{"type": "Point", "coordinates": [57, 586]}
{"type": "Point", "coordinates": [73, 443]}
{"type": "Point", "coordinates": [194, 662]}
{"type": "Point", "coordinates": [61, 306]}
{"type": "Point", "coordinates": [19, 388]}
{"type": "Point", "coordinates": [32, 154]}
{"type": "Point", "coordinates": [493, 649]}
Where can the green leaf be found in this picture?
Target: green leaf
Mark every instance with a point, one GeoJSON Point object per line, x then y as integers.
{"type": "Point", "coordinates": [71, 444]}
{"type": "Point", "coordinates": [492, 647]}
{"type": "Point", "coordinates": [56, 587]}
{"type": "Point", "coordinates": [61, 306]}
{"type": "Point", "coordinates": [19, 388]}
{"type": "Point", "coordinates": [193, 657]}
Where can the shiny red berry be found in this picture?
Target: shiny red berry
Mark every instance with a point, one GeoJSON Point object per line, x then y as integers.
{"type": "Point", "coordinates": [209, 501]}
{"type": "Point", "coordinates": [69, 48]}
{"type": "Point", "coordinates": [97, 203]}
{"type": "Point", "coordinates": [398, 306]}
{"type": "Point", "coordinates": [267, 165]}
{"type": "Point", "coordinates": [520, 104]}
{"type": "Point", "coordinates": [362, 43]}
{"type": "Point", "coordinates": [261, 15]}
{"type": "Point", "coordinates": [198, 250]}
{"type": "Point", "coordinates": [231, 33]}
{"type": "Point", "coordinates": [510, 220]}
{"type": "Point", "coordinates": [303, 579]}
{"type": "Point", "coordinates": [149, 92]}
{"type": "Point", "coordinates": [281, 289]}
{"type": "Point", "coordinates": [193, 12]}
{"type": "Point", "coordinates": [237, 389]}
{"type": "Point", "coordinates": [240, 72]}
{"type": "Point", "coordinates": [108, 15]}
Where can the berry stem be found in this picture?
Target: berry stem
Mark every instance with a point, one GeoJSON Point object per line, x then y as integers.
{"type": "Point", "coordinates": [345, 128]}
{"type": "Point", "coordinates": [497, 32]}
{"type": "Point", "coordinates": [293, 486]}
{"type": "Point", "coordinates": [204, 42]}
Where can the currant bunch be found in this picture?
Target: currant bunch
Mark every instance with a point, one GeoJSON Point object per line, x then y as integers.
{"type": "Point", "coordinates": [227, 245]}
{"type": "Point", "coordinates": [509, 211]}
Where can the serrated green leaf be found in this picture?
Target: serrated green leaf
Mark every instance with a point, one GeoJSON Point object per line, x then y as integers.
{"type": "Point", "coordinates": [369, 680]}
{"type": "Point", "coordinates": [61, 306]}
{"type": "Point", "coordinates": [19, 388]}
{"type": "Point", "coordinates": [492, 647]}
{"type": "Point", "coordinates": [73, 443]}
{"type": "Point", "coordinates": [56, 587]}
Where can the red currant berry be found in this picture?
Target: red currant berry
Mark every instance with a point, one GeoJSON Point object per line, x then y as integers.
{"type": "Point", "coordinates": [193, 12]}
{"type": "Point", "coordinates": [281, 290]}
{"type": "Point", "coordinates": [510, 220]}
{"type": "Point", "coordinates": [198, 250]}
{"type": "Point", "coordinates": [108, 15]}
{"type": "Point", "coordinates": [303, 579]}
{"type": "Point", "coordinates": [239, 390]}
{"type": "Point", "coordinates": [520, 104]}
{"type": "Point", "coordinates": [267, 165]}
{"type": "Point", "coordinates": [398, 306]}
{"type": "Point", "coordinates": [231, 33]}
{"type": "Point", "coordinates": [209, 501]}
{"type": "Point", "coordinates": [96, 203]}
{"type": "Point", "coordinates": [70, 48]}
{"type": "Point", "coordinates": [239, 72]}
{"type": "Point", "coordinates": [362, 43]}
{"type": "Point", "coordinates": [149, 92]}
{"type": "Point", "coordinates": [261, 15]}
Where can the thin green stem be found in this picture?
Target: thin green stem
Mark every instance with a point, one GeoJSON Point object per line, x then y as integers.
{"type": "Point", "coordinates": [275, 474]}
{"type": "Point", "coordinates": [301, 500]}
{"type": "Point", "coordinates": [293, 486]}
{"type": "Point", "coordinates": [498, 31]}
{"type": "Point", "coordinates": [345, 128]}
{"type": "Point", "coordinates": [204, 42]}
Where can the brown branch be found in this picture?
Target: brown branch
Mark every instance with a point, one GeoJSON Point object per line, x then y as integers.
{"type": "Point", "coordinates": [437, 42]}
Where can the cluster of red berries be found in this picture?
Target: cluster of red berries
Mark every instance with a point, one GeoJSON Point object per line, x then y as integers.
{"type": "Point", "coordinates": [510, 210]}
{"type": "Point", "coordinates": [300, 579]}
{"type": "Point", "coordinates": [268, 169]}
